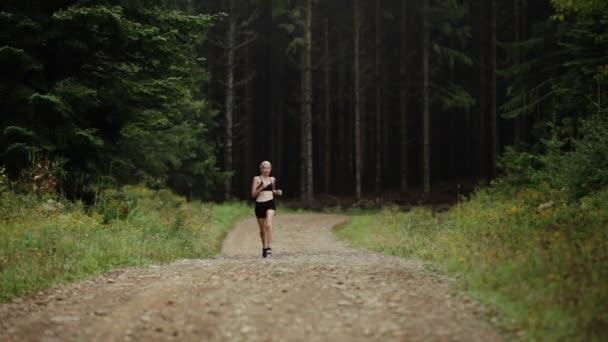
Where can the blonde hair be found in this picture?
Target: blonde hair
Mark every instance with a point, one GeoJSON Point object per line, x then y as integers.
{"type": "Point", "coordinates": [264, 163]}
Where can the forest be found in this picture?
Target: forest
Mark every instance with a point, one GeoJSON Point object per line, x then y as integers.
{"type": "Point", "coordinates": [350, 98]}
{"type": "Point", "coordinates": [126, 111]}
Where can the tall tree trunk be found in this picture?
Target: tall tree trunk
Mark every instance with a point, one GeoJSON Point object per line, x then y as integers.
{"type": "Point", "coordinates": [327, 109]}
{"type": "Point", "coordinates": [426, 102]}
{"type": "Point", "coordinates": [190, 7]}
{"type": "Point", "coordinates": [520, 119]}
{"type": "Point", "coordinates": [248, 127]}
{"type": "Point", "coordinates": [517, 30]}
{"type": "Point", "coordinates": [280, 136]}
{"type": "Point", "coordinates": [523, 34]}
{"type": "Point", "coordinates": [303, 145]}
{"type": "Point", "coordinates": [357, 100]}
{"type": "Point", "coordinates": [493, 96]}
{"type": "Point", "coordinates": [278, 93]}
{"type": "Point", "coordinates": [343, 112]}
{"type": "Point", "coordinates": [308, 102]}
{"type": "Point", "coordinates": [378, 76]}
{"type": "Point", "coordinates": [403, 98]}
{"type": "Point", "coordinates": [482, 92]}
{"type": "Point", "coordinates": [229, 105]}
{"type": "Point", "coordinates": [191, 10]}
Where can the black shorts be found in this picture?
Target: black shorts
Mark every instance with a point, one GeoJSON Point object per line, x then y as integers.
{"type": "Point", "coordinates": [262, 207]}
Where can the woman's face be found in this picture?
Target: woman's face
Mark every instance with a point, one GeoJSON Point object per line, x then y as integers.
{"type": "Point", "coordinates": [266, 168]}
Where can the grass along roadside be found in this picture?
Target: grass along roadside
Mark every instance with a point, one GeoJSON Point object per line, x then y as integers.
{"type": "Point", "coordinates": [46, 243]}
{"type": "Point", "coordinates": [538, 260]}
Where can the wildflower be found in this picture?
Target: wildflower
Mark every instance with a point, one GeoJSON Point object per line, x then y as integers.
{"type": "Point", "coordinates": [512, 210]}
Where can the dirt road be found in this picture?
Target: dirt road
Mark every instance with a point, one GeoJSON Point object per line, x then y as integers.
{"type": "Point", "coordinates": [314, 289]}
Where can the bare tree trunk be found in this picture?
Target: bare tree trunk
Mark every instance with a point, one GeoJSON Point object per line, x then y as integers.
{"type": "Point", "coordinates": [278, 145]}
{"type": "Point", "coordinates": [403, 97]}
{"type": "Point", "coordinates": [248, 126]}
{"type": "Point", "coordinates": [357, 104]}
{"type": "Point", "coordinates": [518, 119]}
{"type": "Point", "coordinates": [308, 102]}
{"type": "Point", "coordinates": [191, 10]}
{"type": "Point", "coordinates": [278, 93]}
{"type": "Point", "coordinates": [327, 109]}
{"type": "Point", "coordinates": [378, 76]}
{"type": "Point", "coordinates": [523, 34]}
{"type": "Point", "coordinates": [230, 39]}
{"type": "Point", "coordinates": [426, 103]}
{"type": "Point", "coordinates": [493, 89]}
{"type": "Point", "coordinates": [302, 128]}
{"type": "Point", "coordinates": [482, 92]}
{"type": "Point", "coordinates": [342, 111]}
{"type": "Point", "coordinates": [190, 7]}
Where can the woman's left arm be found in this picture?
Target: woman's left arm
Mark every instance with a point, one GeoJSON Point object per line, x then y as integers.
{"type": "Point", "coordinates": [274, 189]}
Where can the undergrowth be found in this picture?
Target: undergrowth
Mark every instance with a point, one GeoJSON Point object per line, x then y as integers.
{"type": "Point", "coordinates": [46, 241]}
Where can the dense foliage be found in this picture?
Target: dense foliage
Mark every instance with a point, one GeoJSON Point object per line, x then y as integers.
{"type": "Point", "coordinates": [105, 93]}
{"type": "Point", "coordinates": [562, 77]}
{"type": "Point", "coordinates": [576, 173]}
{"type": "Point", "coordinates": [580, 7]}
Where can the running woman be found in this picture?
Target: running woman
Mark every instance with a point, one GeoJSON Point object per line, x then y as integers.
{"type": "Point", "coordinates": [263, 190]}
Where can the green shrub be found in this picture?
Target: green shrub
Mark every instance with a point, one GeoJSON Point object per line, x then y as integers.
{"type": "Point", "coordinates": [578, 172]}
{"type": "Point", "coordinates": [519, 167]}
{"type": "Point", "coordinates": [5, 205]}
{"type": "Point", "coordinates": [586, 168]}
{"type": "Point", "coordinates": [112, 204]}
{"type": "Point", "coordinates": [4, 182]}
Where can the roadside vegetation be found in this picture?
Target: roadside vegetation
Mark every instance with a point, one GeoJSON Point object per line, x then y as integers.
{"type": "Point", "coordinates": [46, 240]}
{"type": "Point", "coordinates": [533, 246]}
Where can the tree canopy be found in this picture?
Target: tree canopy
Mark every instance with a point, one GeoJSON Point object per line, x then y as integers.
{"type": "Point", "coordinates": [109, 88]}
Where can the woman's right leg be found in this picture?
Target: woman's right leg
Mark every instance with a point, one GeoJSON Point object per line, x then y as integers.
{"type": "Point", "coordinates": [262, 224]}
{"type": "Point", "coordinates": [268, 231]}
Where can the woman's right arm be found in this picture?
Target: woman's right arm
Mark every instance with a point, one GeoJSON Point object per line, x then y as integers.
{"type": "Point", "coordinates": [254, 187]}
